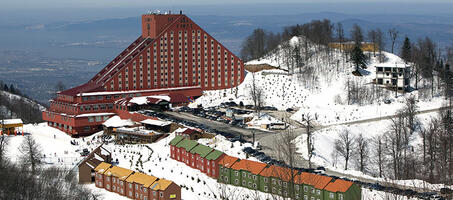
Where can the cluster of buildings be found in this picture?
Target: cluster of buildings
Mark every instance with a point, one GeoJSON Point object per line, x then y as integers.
{"type": "Point", "coordinates": [135, 185]}
{"type": "Point", "coordinates": [96, 168]}
{"type": "Point", "coordinates": [171, 62]}
{"type": "Point", "coordinates": [263, 177]}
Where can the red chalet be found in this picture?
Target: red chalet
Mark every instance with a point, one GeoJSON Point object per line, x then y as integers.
{"type": "Point", "coordinates": [173, 56]}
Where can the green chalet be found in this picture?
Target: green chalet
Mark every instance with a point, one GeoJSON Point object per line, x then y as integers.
{"type": "Point", "coordinates": [225, 168]}
{"type": "Point", "coordinates": [278, 180]}
{"type": "Point", "coordinates": [245, 173]}
{"type": "Point", "coordinates": [342, 190]}
{"type": "Point", "coordinates": [310, 186]}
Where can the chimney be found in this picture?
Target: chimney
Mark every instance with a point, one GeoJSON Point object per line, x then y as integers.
{"type": "Point", "coordinates": [180, 12]}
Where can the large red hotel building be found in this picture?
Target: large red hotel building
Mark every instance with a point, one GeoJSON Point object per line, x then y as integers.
{"type": "Point", "coordinates": [172, 56]}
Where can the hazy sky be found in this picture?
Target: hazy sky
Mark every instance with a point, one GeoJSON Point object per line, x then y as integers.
{"type": "Point", "coordinates": [37, 4]}
{"type": "Point", "coordinates": [47, 11]}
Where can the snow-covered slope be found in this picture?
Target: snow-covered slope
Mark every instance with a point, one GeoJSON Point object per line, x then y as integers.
{"type": "Point", "coordinates": [322, 92]}
{"type": "Point", "coordinates": [152, 159]}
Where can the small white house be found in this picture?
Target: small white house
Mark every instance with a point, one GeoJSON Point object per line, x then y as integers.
{"type": "Point", "coordinates": [393, 75]}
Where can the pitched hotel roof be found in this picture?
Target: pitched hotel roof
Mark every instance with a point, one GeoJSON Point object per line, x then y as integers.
{"type": "Point", "coordinates": [228, 161]}
{"type": "Point", "coordinates": [338, 185]}
{"type": "Point", "coordinates": [161, 184]}
{"type": "Point", "coordinates": [201, 150]}
{"type": "Point", "coordinates": [121, 173]}
{"type": "Point", "coordinates": [248, 165]}
{"type": "Point", "coordinates": [102, 167]}
{"type": "Point", "coordinates": [315, 180]}
{"type": "Point", "coordinates": [144, 179]}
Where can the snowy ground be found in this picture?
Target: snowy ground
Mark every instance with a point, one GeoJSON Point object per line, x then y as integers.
{"type": "Point", "coordinates": [327, 99]}
{"type": "Point", "coordinates": [151, 158]}
{"type": "Point", "coordinates": [324, 141]}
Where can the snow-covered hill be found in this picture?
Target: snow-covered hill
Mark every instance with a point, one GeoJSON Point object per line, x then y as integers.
{"type": "Point", "coordinates": [321, 92]}
{"type": "Point", "coordinates": [152, 159]}
{"type": "Point", "coordinates": [16, 106]}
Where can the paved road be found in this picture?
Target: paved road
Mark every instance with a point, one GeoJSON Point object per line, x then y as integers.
{"type": "Point", "coordinates": [387, 117]}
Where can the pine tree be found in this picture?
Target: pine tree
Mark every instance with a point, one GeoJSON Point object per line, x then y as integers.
{"type": "Point", "coordinates": [358, 58]}
{"type": "Point", "coordinates": [406, 51]}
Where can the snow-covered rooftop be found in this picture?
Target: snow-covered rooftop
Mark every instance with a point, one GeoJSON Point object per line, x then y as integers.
{"type": "Point", "coordinates": [12, 121]}
{"type": "Point", "coordinates": [155, 122]}
{"type": "Point", "coordinates": [116, 121]}
{"type": "Point", "coordinates": [393, 65]}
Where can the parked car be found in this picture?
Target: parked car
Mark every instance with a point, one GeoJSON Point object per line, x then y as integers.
{"type": "Point", "coordinates": [249, 106]}
{"type": "Point", "coordinates": [289, 110]}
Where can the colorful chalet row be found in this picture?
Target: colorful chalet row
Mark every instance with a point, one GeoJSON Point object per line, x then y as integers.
{"type": "Point", "coordinates": [266, 178]}
{"type": "Point", "coordinates": [135, 185]}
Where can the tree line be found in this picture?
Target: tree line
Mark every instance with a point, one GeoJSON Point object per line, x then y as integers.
{"type": "Point", "coordinates": [28, 179]}
{"type": "Point", "coordinates": [24, 108]}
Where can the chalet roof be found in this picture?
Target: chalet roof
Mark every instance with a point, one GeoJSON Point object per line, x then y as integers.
{"type": "Point", "coordinates": [119, 172]}
{"type": "Point", "coordinates": [228, 161]}
{"type": "Point", "coordinates": [248, 165]}
{"type": "Point", "coordinates": [392, 65]}
{"type": "Point", "coordinates": [102, 168]}
{"type": "Point", "coordinates": [214, 155]}
{"type": "Point", "coordinates": [161, 184]}
{"type": "Point", "coordinates": [201, 150]}
{"type": "Point", "coordinates": [141, 178]}
{"type": "Point", "coordinates": [176, 140]}
{"type": "Point", "coordinates": [11, 121]}
{"type": "Point", "coordinates": [282, 173]}
{"type": "Point", "coordinates": [315, 180]}
{"type": "Point", "coordinates": [187, 144]}
{"type": "Point", "coordinates": [338, 185]}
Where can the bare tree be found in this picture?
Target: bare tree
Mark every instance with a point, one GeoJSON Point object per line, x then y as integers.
{"type": "Point", "coordinates": [257, 94]}
{"type": "Point", "coordinates": [381, 43]}
{"type": "Point", "coordinates": [393, 33]}
{"type": "Point", "coordinates": [357, 35]}
{"type": "Point", "coordinates": [378, 154]}
{"type": "Point", "coordinates": [285, 149]}
{"type": "Point", "coordinates": [221, 191]}
{"type": "Point", "coordinates": [344, 146]}
{"type": "Point", "coordinates": [362, 151]}
{"type": "Point", "coordinates": [372, 36]}
{"type": "Point", "coordinates": [4, 141]}
{"type": "Point", "coordinates": [30, 153]}
{"type": "Point", "coordinates": [340, 35]}
{"type": "Point", "coordinates": [308, 118]}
